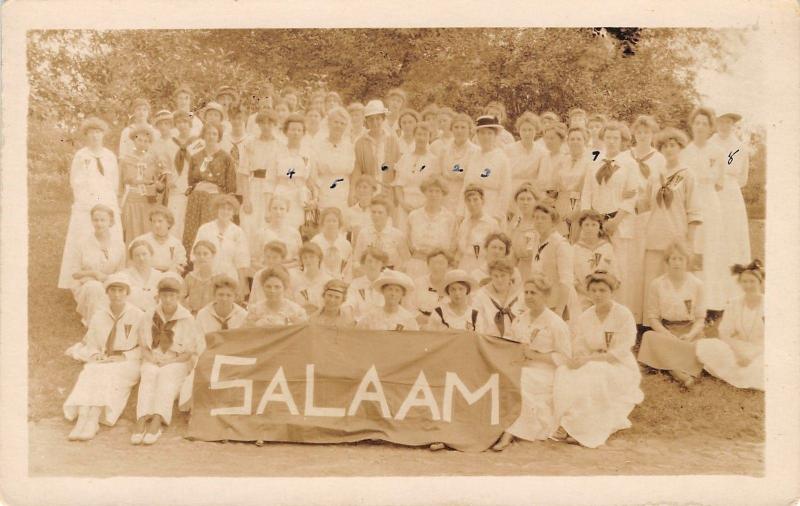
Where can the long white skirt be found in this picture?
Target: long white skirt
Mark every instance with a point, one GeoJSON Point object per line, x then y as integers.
{"type": "Point", "coordinates": [709, 242]}
{"type": "Point", "coordinates": [90, 296]}
{"type": "Point", "coordinates": [634, 267]}
{"type": "Point", "coordinates": [252, 223]}
{"type": "Point", "coordinates": [721, 359]}
{"type": "Point", "coordinates": [177, 204]}
{"type": "Point", "coordinates": [594, 401]}
{"type": "Point", "coordinates": [107, 385]}
{"type": "Point", "coordinates": [537, 419]}
{"type": "Point", "coordinates": [79, 228]}
{"type": "Point", "coordinates": [735, 236]}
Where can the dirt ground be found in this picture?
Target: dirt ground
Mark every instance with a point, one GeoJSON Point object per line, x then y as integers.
{"type": "Point", "coordinates": [714, 429]}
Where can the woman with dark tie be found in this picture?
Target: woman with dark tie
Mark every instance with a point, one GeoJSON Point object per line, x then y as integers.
{"type": "Point", "coordinates": [499, 301]}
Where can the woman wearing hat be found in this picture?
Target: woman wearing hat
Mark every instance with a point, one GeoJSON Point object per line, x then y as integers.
{"type": "Point", "coordinates": [293, 179]}
{"type": "Point", "coordinates": [499, 301]}
{"type": "Point", "coordinates": [737, 356]}
{"type": "Point", "coordinates": [735, 226]}
{"type": "Point", "coordinates": [261, 157]}
{"type": "Point", "coordinates": [333, 313]}
{"type": "Point", "coordinates": [453, 160]}
{"type": "Point", "coordinates": [591, 252]}
{"type": "Point", "coordinates": [168, 251]}
{"type": "Point", "coordinates": [187, 145]}
{"type": "Point", "coordinates": [547, 345]}
{"type": "Point", "coordinates": [99, 255]}
{"type": "Point", "coordinates": [94, 178]}
{"type": "Point", "coordinates": [523, 155]}
{"type": "Point", "coordinates": [488, 168]}
{"type": "Point", "coordinates": [333, 161]}
{"type": "Point", "coordinates": [706, 161]}
{"type": "Point", "coordinates": [430, 227]}
{"type": "Point", "coordinates": [276, 308]}
{"type": "Point", "coordinates": [212, 171]}
{"type": "Point", "coordinates": [183, 105]}
{"type": "Point", "coordinates": [308, 280]}
{"type": "Point", "coordinates": [233, 252]}
{"type": "Point", "coordinates": [221, 314]}
{"type": "Point", "coordinates": [455, 312]}
{"type": "Point", "coordinates": [553, 259]}
{"type": "Point", "coordinates": [143, 177]}
{"type": "Point", "coordinates": [109, 351]}
{"type": "Point", "coordinates": [596, 390]}
{"type": "Point", "coordinates": [215, 112]}
{"type": "Point", "coordinates": [675, 311]}
{"type": "Point", "coordinates": [394, 286]}
{"type": "Point", "coordinates": [376, 149]}
{"type": "Point", "coordinates": [168, 335]}
{"type": "Point", "coordinates": [141, 112]}
{"type": "Point", "coordinates": [521, 228]}
{"type": "Point", "coordinates": [473, 230]}
{"type": "Point", "coordinates": [498, 110]}
{"type": "Point", "coordinates": [142, 276]}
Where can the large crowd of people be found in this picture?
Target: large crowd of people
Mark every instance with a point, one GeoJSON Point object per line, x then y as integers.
{"type": "Point", "coordinates": [571, 238]}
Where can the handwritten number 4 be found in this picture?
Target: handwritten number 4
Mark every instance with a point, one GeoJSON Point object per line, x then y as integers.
{"type": "Point", "coordinates": [595, 154]}
{"type": "Point", "coordinates": [290, 173]}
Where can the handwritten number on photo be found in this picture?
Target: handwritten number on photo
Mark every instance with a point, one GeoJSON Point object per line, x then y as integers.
{"type": "Point", "coordinates": [730, 156]}
{"type": "Point", "coordinates": [457, 168]}
{"type": "Point", "coordinates": [595, 154]}
{"type": "Point", "coordinates": [486, 172]}
{"type": "Point", "coordinates": [333, 185]}
{"type": "Point", "coordinates": [384, 168]}
{"type": "Point", "coordinates": [422, 168]}
{"type": "Point", "coordinates": [290, 173]}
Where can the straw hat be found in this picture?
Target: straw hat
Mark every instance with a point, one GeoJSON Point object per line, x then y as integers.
{"type": "Point", "coordinates": [163, 115]}
{"type": "Point", "coordinates": [227, 90]}
{"type": "Point", "coordinates": [459, 276]}
{"type": "Point", "coordinates": [731, 116]}
{"type": "Point", "coordinates": [117, 279]}
{"type": "Point", "coordinates": [375, 107]}
{"type": "Point", "coordinates": [390, 277]}
{"type": "Point", "coordinates": [214, 106]}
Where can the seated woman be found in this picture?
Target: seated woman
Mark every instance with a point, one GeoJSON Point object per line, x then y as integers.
{"type": "Point", "coordinates": [361, 296]}
{"type": "Point", "coordinates": [429, 291]}
{"type": "Point", "coordinates": [430, 227]}
{"type": "Point", "coordinates": [307, 281]}
{"type": "Point", "coordinates": [168, 335]}
{"type": "Point", "coordinates": [592, 252]}
{"type": "Point", "coordinates": [676, 312]}
{"type": "Point", "coordinates": [278, 229]}
{"type": "Point", "coordinates": [276, 308]}
{"type": "Point", "coordinates": [394, 286]}
{"type": "Point", "coordinates": [357, 216]}
{"type": "Point", "coordinates": [98, 255]}
{"type": "Point", "coordinates": [168, 251]}
{"type": "Point", "coordinates": [599, 386]}
{"type": "Point", "coordinates": [499, 301]}
{"type": "Point", "coordinates": [547, 345]}
{"type": "Point", "coordinates": [455, 312]}
{"type": "Point", "coordinates": [333, 313]}
{"type": "Point", "coordinates": [274, 256]}
{"type": "Point", "coordinates": [199, 282]}
{"type": "Point", "coordinates": [737, 356]}
{"type": "Point", "coordinates": [111, 358]}
{"type": "Point", "coordinates": [336, 251]}
{"type": "Point", "coordinates": [221, 314]}
{"type": "Point", "coordinates": [496, 246]}
{"type": "Point", "coordinates": [233, 253]}
{"type": "Point", "coordinates": [382, 235]}
{"type": "Point", "coordinates": [143, 277]}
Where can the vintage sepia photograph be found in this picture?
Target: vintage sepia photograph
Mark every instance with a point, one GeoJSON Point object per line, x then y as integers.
{"type": "Point", "coordinates": [508, 251]}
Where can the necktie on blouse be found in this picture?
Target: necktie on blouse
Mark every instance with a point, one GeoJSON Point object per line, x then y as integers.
{"type": "Point", "coordinates": [643, 167]}
{"type": "Point", "coordinates": [109, 347]}
{"type": "Point", "coordinates": [665, 195]}
{"type": "Point", "coordinates": [223, 322]}
{"type": "Point", "coordinates": [499, 316]}
{"type": "Point", "coordinates": [181, 155]}
{"type": "Point", "coordinates": [163, 333]}
{"type": "Point", "coordinates": [541, 248]}
{"type": "Point", "coordinates": [606, 171]}
{"type": "Point", "coordinates": [100, 167]}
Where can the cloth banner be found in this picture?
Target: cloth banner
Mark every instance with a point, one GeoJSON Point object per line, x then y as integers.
{"type": "Point", "coordinates": [314, 384]}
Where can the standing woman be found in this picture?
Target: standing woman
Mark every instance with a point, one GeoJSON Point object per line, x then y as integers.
{"type": "Point", "coordinates": [394, 286]}
{"type": "Point", "coordinates": [675, 311]}
{"type": "Point", "coordinates": [94, 178]}
{"type": "Point", "coordinates": [408, 121]}
{"type": "Point", "coordinates": [705, 161]}
{"type": "Point", "coordinates": [283, 111]}
{"type": "Point", "coordinates": [498, 110]}
{"type": "Point", "coordinates": [522, 230]}
{"type": "Point", "coordinates": [473, 229]}
{"type": "Point", "coordinates": [553, 259]}
{"type": "Point", "coordinates": [455, 311]}
{"type": "Point", "coordinates": [569, 180]}
{"type": "Point", "coordinates": [738, 355]}
{"type": "Point", "coordinates": [736, 229]}
{"type": "Point", "coordinates": [547, 345]}
{"type": "Point", "coordinates": [499, 301]}
{"type": "Point", "coordinates": [489, 168]}
{"type": "Point", "coordinates": [187, 146]}
{"type": "Point", "coordinates": [376, 151]}
{"type": "Point", "coordinates": [211, 171]}
{"type": "Point", "coordinates": [333, 162]}
{"type": "Point", "coordinates": [293, 179]}
{"type": "Point", "coordinates": [183, 106]}
{"type": "Point", "coordinates": [598, 387]}
{"type": "Point", "coordinates": [444, 122]}
{"type": "Point", "coordinates": [453, 160]}
{"type": "Point", "coordinates": [99, 255]}
{"type": "Point", "coordinates": [356, 112]}
{"type": "Point", "coordinates": [337, 252]}
{"type": "Point", "coordinates": [141, 111]}
{"type": "Point", "coordinates": [409, 175]}
{"type": "Point", "coordinates": [523, 155]}
{"type": "Point", "coordinates": [261, 156]}
{"type": "Point", "coordinates": [592, 252]}
{"type": "Point", "coordinates": [429, 227]}
{"type": "Point", "coordinates": [674, 209]}
{"type": "Point", "coordinates": [651, 165]}
{"type": "Point", "coordinates": [553, 162]}
{"type": "Point", "coordinates": [143, 176]}
{"type": "Point", "coordinates": [111, 359]}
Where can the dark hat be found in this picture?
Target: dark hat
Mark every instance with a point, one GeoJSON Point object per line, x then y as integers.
{"type": "Point", "coordinates": [487, 122]}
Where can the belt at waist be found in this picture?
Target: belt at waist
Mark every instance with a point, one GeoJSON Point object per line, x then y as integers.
{"type": "Point", "coordinates": [681, 323]}
{"type": "Point", "coordinates": [260, 174]}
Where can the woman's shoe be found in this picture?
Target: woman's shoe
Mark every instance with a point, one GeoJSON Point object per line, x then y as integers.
{"type": "Point", "coordinates": [151, 437]}
{"type": "Point", "coordinates": [435, 447]}
{"type": "Point", "coordinates": [76, 431]}
{"type": "Point", "coordinates": [137, 438]}
{"type": "Point", "coordinates": [503, 443]}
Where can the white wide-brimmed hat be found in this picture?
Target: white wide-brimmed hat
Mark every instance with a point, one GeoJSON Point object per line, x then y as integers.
{"type": "Point", "coordinates": [214, 106]}
{"type": "Point", "coordinates": [374, 107]}
{"type": "Point", "coordinates": [117, 279]}
{"type": "Point", "coordinates": [459, 276]}
{"type": "Point", "coordinates": [390, 277]}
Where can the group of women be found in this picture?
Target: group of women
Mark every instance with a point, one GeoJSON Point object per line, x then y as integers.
{"type": "Point", "coordinates": [384, 218]}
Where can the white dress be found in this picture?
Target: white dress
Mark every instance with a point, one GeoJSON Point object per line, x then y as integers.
{"type": "Point", "coordinates": [492, 172]}
{"type": "Point", "coordinates": [444, 318]}
{"type": "Point", "coordinates": [378, 319]}
{"type": "Point", "coordinates": [586, 260]}
{"type": "Point", "coordinates": [167, 256]}
{"type": "Point", "coordinates": [452, 167]}
{"type": "Point", "coordinates": [547, 342]}
{"type": "Point", "coordinates": [336, 255]}
{"type": "Point", "coordinates": [308, 291]}
{"type": "Point", "coordinates": [524, 163]}
{"type": "Point", "coordinates": [106, 384]}
{"type": "Point", "coordinates": [144, 288]}
{"type": "Point", "coordinates": [362, 298]}
{"type": "Point", "coordinates": [706, 164]}
{"type": "Point", "coordinates": [735, 226]}
{"type": "Point", "coordinates": [90, 294]}
{"type": "Point", "coordinates": [594, 401]}
{"type": "Point", "coordinates": [293, 188]}
{"type": "Point", "coordinates": [233, 252]}
{"type": "Point", "coordinates": [260, 159]}
{"type": "Point", "coordinates": [89, 188]}
{"type": "Point", "coordinates": [332, 162]}
{"type": "Point", "coordinates": [741, 337]}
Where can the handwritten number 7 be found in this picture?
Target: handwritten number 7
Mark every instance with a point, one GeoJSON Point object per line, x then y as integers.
{"type": "Point", "coordinates": [595, 154]}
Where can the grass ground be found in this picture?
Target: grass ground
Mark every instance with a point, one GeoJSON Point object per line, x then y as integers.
{"type": "Point", "coordinates": [714, 429]}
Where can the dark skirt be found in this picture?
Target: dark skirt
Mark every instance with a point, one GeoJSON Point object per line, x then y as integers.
{"type": "Point", "coordinates": [198, 211]}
